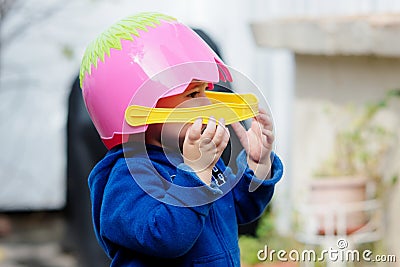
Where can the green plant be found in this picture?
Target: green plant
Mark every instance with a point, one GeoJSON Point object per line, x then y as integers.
{"type": "Point", "coordinates": [361, 146]}
{"type": "Point", "coordinates": [248, 249]}
{"type": "Point", "coordinates": [266, 234]}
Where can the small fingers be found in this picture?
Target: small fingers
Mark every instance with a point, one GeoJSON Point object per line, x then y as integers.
{"type": "Point", "coordinates": [226, 138]}
{"type": "Point", "coordinates": [262, 111]}
{"type": "Point", "coordinates": [194, 131]}
{"type": "Point", "coordinates": [265, 120]}
{"type": "Point", "coordinates": [209, 131]}
{"type": "Point", "coordinates": [269, 135]}
{"type": "Point", "coordinates": [221, 133]}
{"type": "Point", "coordinates": [241, 133]}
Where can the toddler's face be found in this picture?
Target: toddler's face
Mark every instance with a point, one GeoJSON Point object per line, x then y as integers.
{"type": "Point", "coordinates": [172, 135]}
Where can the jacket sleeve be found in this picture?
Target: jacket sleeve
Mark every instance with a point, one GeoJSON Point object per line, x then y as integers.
{"type": "Point", "coordinates": [141, 212]}
{"type": "Point", "coordinates": [252, 195]}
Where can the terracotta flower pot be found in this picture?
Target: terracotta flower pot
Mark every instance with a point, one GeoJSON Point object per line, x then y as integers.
{"type": "Point", "coordinates": [337, 203]}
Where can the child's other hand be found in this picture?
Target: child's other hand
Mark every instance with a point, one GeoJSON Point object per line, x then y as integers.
{"type": "Point", "coordinates": [202, 150]}
{"type": "Point", "coordinates": [257, 141]}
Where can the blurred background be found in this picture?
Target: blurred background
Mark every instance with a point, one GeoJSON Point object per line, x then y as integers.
{"type": "Point", "coordinates": [328, 69]}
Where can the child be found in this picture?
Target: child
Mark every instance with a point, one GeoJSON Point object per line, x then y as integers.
{"type": "Point", "coordinates": [162, 196]}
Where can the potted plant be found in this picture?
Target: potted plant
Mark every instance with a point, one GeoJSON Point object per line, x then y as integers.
{"type": "Point", "coordinates": [361, 149]}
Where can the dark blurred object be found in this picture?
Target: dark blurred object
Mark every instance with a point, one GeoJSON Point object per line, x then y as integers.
{"type": "Point", "coordinates": [5, 225]}
{"type": "Point", "coordinates": [84, 150]}
{"type": "Point", "coordinates": [209, 41]}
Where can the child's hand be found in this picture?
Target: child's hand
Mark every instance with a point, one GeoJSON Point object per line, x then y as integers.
{"type": "Point", "coordinates": [257, 141]}
{"type": "Point", "coordinates": [202, 150]}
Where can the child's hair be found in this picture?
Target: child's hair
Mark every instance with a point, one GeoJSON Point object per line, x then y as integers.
{"type": "Point", "coordinates": [137, 61]}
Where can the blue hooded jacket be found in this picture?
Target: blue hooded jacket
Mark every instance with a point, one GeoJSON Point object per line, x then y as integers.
{"type": "Point", "coordinates": [142, 217]}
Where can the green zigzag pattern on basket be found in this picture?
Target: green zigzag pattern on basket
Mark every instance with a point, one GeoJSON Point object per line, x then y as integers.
{"type": "Point", "coordinates": [111, 38]}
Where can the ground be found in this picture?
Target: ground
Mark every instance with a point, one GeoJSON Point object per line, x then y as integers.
{"type": "Point", "coordinates": [34, 240]}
